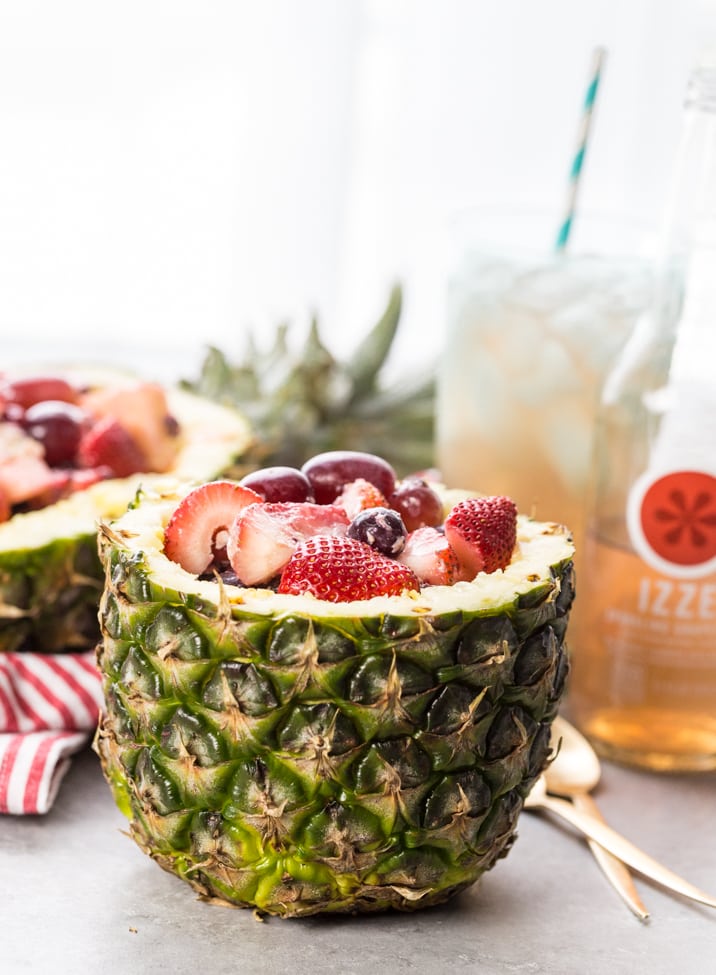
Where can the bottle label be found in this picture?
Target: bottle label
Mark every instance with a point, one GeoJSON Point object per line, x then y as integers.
{"type": "Point", "coordinates": [671, 519]}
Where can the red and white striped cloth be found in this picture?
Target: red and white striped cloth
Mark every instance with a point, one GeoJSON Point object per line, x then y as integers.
{"type": "Point", "coordinates": [49, 704]}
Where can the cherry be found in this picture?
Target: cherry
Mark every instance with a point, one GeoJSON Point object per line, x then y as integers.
{"type": "Point", "coordinates": [381, 528]}
{"type": "Point", "coordinates": [276, 484]}
{"type": "Point", "coordinates": [331, 471]}
{"type": "Point", "coordinates": [417, 503]}
{"type": "Point", "coordinates": [58, 427]}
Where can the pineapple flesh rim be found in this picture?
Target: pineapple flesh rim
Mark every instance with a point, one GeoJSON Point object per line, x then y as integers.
{"type": "Point", "coordinates": [539, 547]}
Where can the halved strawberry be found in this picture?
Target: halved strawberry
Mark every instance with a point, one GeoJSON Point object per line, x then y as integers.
{"type": "Point", "coordinates": [341, 569]}
{"type": "Point", "coordinates": [482, 532]}
{"type": "Point", "coordinates": [108, 443]}
{"type": "Point", "coordinates": [429, 554]}
{"type": "Point", "coordinates": [198, 528]}
{"type": "Point", "coordinates": [143, 411]}
{"type": "Point", "coordinates": [358, 495]}
{"type": "Point", "coordinates": [263, 537]}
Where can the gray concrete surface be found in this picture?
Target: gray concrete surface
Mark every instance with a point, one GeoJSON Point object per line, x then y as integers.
{"type": "Point", "coordinates": [78, 897]}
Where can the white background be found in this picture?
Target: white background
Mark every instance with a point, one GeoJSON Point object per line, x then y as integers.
{"type": "Point", "coordinates": [174, 173]}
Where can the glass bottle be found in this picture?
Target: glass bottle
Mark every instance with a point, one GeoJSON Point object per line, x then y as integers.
{"type": "Point", "coordinates": [643, 683]}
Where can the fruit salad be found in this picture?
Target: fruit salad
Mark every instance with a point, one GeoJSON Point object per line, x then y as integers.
{"type": "Point", "coordinates": [57, 437]}
{"type": "Point", "coordinates": [341, 528]}
{"type": "Point", "coordinates": [328, 689]}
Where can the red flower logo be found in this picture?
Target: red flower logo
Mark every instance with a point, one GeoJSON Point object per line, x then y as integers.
{"type": "Point", "coordinates": [678, 517]}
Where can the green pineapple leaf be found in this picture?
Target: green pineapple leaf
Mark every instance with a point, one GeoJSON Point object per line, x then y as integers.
{"type": "Point", "coordinates": [304, 402]}
{"type": "Point", "coordinates": [373, 351]}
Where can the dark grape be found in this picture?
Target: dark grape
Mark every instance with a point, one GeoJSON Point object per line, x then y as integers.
{"type": "Point", "coordinates": [58, 427]}
{"type": "Point", "coordinates": [381, 528]}
{"type": "Point", "coordinates": [276, 484]}
{"type": "Point", "coordinates": [417, 503]}
{"type": "Point", "coordinates": [331, 471]}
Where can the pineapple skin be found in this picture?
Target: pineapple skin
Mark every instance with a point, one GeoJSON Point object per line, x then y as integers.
{"type": "Point", "coordinates": [306, 763]}
{"type": "Point", "coordinates": [49, 595]}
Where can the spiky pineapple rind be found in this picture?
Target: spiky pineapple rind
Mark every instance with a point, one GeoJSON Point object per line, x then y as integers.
{"type": "Point", "coordinates": [305, 760]}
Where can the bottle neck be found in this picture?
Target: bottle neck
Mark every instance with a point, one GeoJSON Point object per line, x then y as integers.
{"type": "Point", "coordinates": [691, 212]}
{"type": "Point", "coordinates": [686, 284]}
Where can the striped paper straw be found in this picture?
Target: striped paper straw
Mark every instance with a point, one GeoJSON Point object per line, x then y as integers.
{"type": "Point", "coordinates": [578, 161]}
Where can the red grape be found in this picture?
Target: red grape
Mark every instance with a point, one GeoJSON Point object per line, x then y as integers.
{"type": "Point", "coordinates": [58, 427]}
{"type": "Point", "coordinates": [276, 484]}
{"type": "Point", "coordinates": [417, 503]}
{"type": "Point", "coordinates": [331, 471]}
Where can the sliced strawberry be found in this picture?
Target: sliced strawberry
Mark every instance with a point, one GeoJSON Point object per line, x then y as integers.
{"type": "Point", "coordinates": [482, 532]}
{"type": "Point", "coordinates": [358, 495]}
{"type": "Point", "coordinates": [197, 530]}
{"type": "Point", "coordinates": [80, 480]}
{"type": "Point", "coordinates": [37, 389]}
{"type": "Point", "coordinates": [24, 478]}
{"type": "Point", "coordinates": [428, 553]}
{"type": "Point", "coordinates": [108, 443]}
{"type": "Point", "coordinates": [57, 485]}
{"type": "Point", "coordinates": [264, 536]}
{"type": "Point", "coordinates": [341, 570]}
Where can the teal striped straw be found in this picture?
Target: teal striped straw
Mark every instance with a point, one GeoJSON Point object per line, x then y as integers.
{"type": "Point", "coordinates": [578, 161]}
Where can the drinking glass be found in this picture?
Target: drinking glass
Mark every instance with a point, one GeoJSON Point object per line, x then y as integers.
{"type": "Point", "coordinates": [530, 334]}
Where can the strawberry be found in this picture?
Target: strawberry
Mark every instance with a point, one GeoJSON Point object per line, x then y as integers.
{"type": "Point", "coordinates": [24, 476]}
{"type": "Point", "coordinates": [108, 443]}
{"type": "Point", "coordinates": [482, 532]}
{"type": "Point", "coordinates": [340, 570]}
{"type": "Point", "coordinates": [263, 536]}
{"type": "Point", "coordinates": [37, 389]}
{"type": "Point", "coordinates": [358, 495]}
{"type": "Point", "coordinates": [56, 486]}
{"type": "Point", "coordinates": [198, 527]}
{"type": "Point", "coordinates": [428, 553]}
{"type": "Point", "coordinates": [143, 411]}
{"type": "Point", "coordinates": [82, 479]}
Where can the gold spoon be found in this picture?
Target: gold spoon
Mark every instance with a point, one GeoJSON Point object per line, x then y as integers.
{"type": "Point", "coordinates": [574, 772]}
{"type": "Point", "coordinates": [616, 844]}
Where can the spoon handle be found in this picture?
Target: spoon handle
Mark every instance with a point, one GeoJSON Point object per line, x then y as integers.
{"type": "Point", "coordinates": [619, 846]}
{"type": "Point", "coordinates": [612, 867]}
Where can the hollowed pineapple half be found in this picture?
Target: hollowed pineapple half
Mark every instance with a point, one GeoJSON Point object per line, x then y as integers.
{"type": "Point", "coordinates": [50, 574]}
{"type": "Point", "coordinates": [300, 756]}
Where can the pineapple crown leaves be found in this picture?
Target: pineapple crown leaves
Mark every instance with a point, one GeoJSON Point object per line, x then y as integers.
{"type": "Point", "coordinates": [303, 402]}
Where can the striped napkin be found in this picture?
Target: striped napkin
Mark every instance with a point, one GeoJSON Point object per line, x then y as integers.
{"type": "Point", "coordinates": [49, 705]}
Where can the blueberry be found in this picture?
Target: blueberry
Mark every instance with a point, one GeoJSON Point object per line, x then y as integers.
{"type": "Point", "coordinates": [381, 528]}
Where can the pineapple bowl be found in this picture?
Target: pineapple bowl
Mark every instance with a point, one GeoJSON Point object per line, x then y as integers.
{"type": "Point", "coordinates": [324, 693]}
{"type": "Point", "coordinates": [75, 443]}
